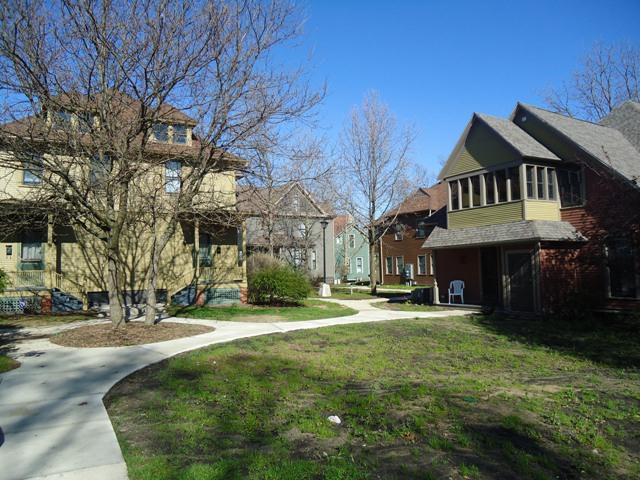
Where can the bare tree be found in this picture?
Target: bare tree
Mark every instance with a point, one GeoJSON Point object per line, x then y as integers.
{"type": "Point", "coordinates": [374, 155]}
{"type": "Point", "coordinates": [85, 82]}
{"type": "Point", "coordinates": [608, 75]}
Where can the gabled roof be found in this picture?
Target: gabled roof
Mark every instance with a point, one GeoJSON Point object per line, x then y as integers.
{"type": "Point", "coordinates": [421, 200]}
{"type": "Point", "coordinates": [254, 200]}
{"type": "Point", "coordinates": [626, 119]}
{"type": "Point", "coordinates": [605, 144]}
{"type": "Point", "coordinates": [515, 232]}
{"type": "Point", "coordinates": [521, 141]}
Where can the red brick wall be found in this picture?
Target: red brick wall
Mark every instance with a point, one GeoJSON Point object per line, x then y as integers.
{"type": "Point", "coordinates": [610, 207]}
{"type": "Point", "coordinates": [409, 247]}
{"type": "Point", "coordinates": [459, 264]}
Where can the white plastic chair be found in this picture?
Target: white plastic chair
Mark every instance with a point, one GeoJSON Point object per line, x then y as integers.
{"type": "Point", "coordinates": [456, 288]}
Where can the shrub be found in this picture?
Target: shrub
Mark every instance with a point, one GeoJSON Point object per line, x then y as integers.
{"type": "Point", "coordinates": [278, 285]}
{"type": "Point", "coordinates": [4, 280]}
{"type": "Point", "coordinates": [258, 262]}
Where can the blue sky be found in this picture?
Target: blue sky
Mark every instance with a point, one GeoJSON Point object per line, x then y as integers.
{"type": "Point", "coordinates": [436, 62]}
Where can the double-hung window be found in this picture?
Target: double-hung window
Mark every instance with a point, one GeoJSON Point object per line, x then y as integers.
{"type": "Point", "coordinates": [31, 257]}
{"type": "Point", "coordinates": [33, 170]}
{"type": "Point", "coordinates": [352, 240]}
{"type": "Point", "coordinates": [570, 183]}
{"type": "Point", "coordinates": [180, 134]}
{"type": "Point", "coordinates": [359, 264]}
{"type": "Point", "coordinates": [421, 230]}
{"type": "Point", "coordinates": [100, 168]}
{"type": "Point", "coordinates": [399, 265]}
{"type": "Point", "coordinates": [621, 266]}
{"type": "Point", "coordinates": [173, 170]}
{"type": "Point", "coordinates": [422, 264]}
{"type": "Point", "coordinates": [388, 267]}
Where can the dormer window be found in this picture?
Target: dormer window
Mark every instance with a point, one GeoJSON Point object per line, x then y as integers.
{"type": "Point", "coordinates": [161, 132]}
{"type": "Point", "coordinates": [180, 134]}
{"type": "Point", "coordinates": [61, 119]}
{"type": "Point", "coordinates": [167, 133]}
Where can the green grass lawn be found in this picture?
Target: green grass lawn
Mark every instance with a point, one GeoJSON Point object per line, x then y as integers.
{"type": "Point", "coordinates": [408, 307]}
{"type": "Point", "coordinates": [43, 320]}
{"type": "Point", "coordinates": [311, 310]}
{"type": "Point", "coordinates": [439, 398]}
{"type": "Point", "coordinates": [7, 363]}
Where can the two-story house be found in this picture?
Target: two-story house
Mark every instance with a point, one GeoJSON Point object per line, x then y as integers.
{"type": "Point", "coordinates": [543, 209]}
{"type": "Point", "coordinates": [407, 226]}
{"type": "Point", "coordinates": [289, 223]}
{"type": "Point", "coordinates": [352, 250]}
{"type": "Point", "coordinates": [51, 261]}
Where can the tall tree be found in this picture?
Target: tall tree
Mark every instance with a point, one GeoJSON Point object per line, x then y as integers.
{"type": "Point", "coordinates": [373, 154]}
{"type": "Point", "coordinates": [608, 75]}
{"type": "Point", "coordinates": [86, 82]}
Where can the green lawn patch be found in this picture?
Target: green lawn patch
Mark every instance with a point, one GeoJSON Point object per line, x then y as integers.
{"type": "Point", "coordinates": [456, 397]}
{"type": "Point", "coordinates": [7, 363]}
{"type": "Point", "coordinates": [310, 310]}
{"type": "Point", "coordinates": [43, 320]}
{"type": "Point", "coordinates": [408, 307]}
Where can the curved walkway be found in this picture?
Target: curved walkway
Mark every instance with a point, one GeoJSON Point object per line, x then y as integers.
{"type": "Point", "coordinates": [53, 424]}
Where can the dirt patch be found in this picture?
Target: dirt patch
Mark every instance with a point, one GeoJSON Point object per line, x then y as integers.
{"type": "Point", "coordinates": [135, 333]}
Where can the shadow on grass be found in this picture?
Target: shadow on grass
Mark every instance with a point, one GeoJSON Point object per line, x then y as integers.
{"type": "Point", "coordinates": [247, 414]}
{"type": "Point", "coordinates": [608, 341]}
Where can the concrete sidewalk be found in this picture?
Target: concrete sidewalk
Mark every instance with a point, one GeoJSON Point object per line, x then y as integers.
{"type": "Point", "coordinates": [53, 424]}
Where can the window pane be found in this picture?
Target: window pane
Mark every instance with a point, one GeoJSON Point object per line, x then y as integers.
{"type": "Point", "coordinates": [464, 186]}
{"type": "Point", "coordinates": [530, 174]}
{"type": "Point", "coordinates": [454, 195]}
{"type": "Point", "coordinates": [475, 186]}
{"type": "Point", "coordinates": [100, 168]}
{"type": "Point", "coordinates": [62, 120]}
{"type": "Point", "coordinates": [85, 121]}
{"type": "Point", "coordinates": [551, 182]}
{"type": "Point", "coordinates": [514, 177]}
{"type": "Point", "coordinates": [421, 231]}
{"type": "Point", "coordinates": [399, 265]}
{"type": "Point", "coordinates": [491, 193]}
{"type": "Point", "coordinates": [540, 182]}
{"type": "Point", "coordinates": [570, 185]}
{"type": "Point", "coordinates": [161, 132]}
{"type": "Point", "coordinates": [501, 182]}
{"type": "Point", "coordinates": [33, 170]}
{"type": "Point", "coordinates": [621, 260]}
{"type": "Point", "coordinates": [172, 174]}
{"type": "Point", "coordinates": [389, 266]}
{"type": "Point", "coordinates": [422, 264]}
{"type": "Point", "coordinates": [179, 134]}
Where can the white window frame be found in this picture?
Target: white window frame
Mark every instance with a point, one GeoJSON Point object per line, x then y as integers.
{"type": "Point", "coordinates": [359, 265]}
{"type": "Point", "coordinates": [352, 240]}
{"type": "Point", "coordinates": [172, 181]}
{"type": "Point", "coordinates": [387, 270]}
{"type": "Point", "coordinates": [398, 269]}
{"type": "Point", "coordinates": [422, 271]}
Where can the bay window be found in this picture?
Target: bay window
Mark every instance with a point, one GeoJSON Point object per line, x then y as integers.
{"type": "Point", "coordinates": [455, 195]}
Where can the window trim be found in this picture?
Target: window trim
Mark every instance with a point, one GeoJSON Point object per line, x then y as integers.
{"type": "Point", "coordinates": [352, 240]}
{"type": "Point", "coordinates": [30, 163]}
{"type": "Point", "coordinates": [583, 188]}
{"type": "Point", "coordinates": [169, 180]}
{"type": "Point", "coordinates": [398, 271]}
{"type": "Point", "coordinates": [387, 270]}
{"type": "Point", "coordinates": [361, 259]}
{"type": "Point", "coordinates": [421, 229]}
{"type": "Point", "coordinates": [418, 272]}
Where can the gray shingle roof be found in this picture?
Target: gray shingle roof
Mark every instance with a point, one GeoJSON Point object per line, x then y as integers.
{"type": "Point", "coordinates": [518, 138]}
{"type": "Point", "coordinates": [626, 119]}
{"type": "Point", "coordinates": [526, 230]}
{"type": "Point", "coordinates": [606, 144]}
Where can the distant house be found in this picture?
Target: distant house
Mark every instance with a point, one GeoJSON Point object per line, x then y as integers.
{"type": "Point", "coordinates": [288, 222]}
{"type": "Point", "coordinates": [543, 209]}
{"type": "Point", "coordinates": [351, 250]}
{"type": "Point", "coordinates": [402, 255]}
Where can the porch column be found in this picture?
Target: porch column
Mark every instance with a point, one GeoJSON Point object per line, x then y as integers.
{"type": "Point", "coordinates": [50, 256]}
{"type": "Point", "coordinates": [196, 246]}
{"type": "Point", "coordinates": [436, 292]}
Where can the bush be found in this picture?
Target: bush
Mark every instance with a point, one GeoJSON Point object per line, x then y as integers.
{"type": "Point", "coordinates": [258, 262]}
{"type": "Point", "coordinates": [278, 285]}
{"type": "Point", "coordinates": [4, 280]}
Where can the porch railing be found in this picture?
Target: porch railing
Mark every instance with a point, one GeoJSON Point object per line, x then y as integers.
{"type": "Point", "coordinates": [27, 278]}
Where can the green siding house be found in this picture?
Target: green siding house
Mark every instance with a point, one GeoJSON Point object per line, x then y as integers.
{"type": "Point", "coordinates": [351, 251]}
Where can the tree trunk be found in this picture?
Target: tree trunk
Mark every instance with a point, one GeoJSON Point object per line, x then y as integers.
{"type": "Point", "coordinates": [373, 268]}
{"type": "Point", "coordinates": [156, 251]}
{"type": "Point", "coordinates": [116, 310]}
